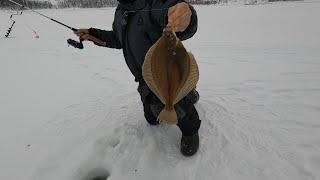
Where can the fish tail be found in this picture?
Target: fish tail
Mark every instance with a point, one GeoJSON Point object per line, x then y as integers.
{"type": "Point", "coordinates": [168, 116]}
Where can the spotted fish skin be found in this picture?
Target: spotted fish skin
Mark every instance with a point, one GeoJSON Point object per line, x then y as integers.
{"type": "Point", "coordinates": [166, 70]}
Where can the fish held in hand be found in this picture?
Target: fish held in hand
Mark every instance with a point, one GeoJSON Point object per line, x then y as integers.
{"type": "Point", "coordinates": [170, 72]}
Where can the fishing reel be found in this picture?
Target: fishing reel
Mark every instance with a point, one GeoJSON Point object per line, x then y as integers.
{"type": "Point", "coordinates": [76, 44]}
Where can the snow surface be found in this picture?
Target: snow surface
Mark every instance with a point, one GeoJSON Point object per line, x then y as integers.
{"type": "Point", "coordinates": [70, 114]}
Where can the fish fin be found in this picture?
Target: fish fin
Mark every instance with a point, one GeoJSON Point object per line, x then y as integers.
{"type": "Point", "coordinates": [168, 116]}
{"type": "Point", "coordinates": [191, 81]}
{"type": "Point", "coordinates": [148, 75]}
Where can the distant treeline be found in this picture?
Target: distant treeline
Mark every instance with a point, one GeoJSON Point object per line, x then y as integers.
{"type": "Point", "coordinates": [86, 3]}
{"type": "Point", "coordinates": [111, 3]}
{"type": "Point", "coordinates": [30, 3]}
{"type": "Point", "coordinates": [283, 0]}
{"type": "Point", "coordinates": [34, 4]}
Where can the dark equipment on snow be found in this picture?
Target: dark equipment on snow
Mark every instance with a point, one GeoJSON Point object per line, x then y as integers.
{"type": "Point", "coordinates": [13, 21]}
{"type": "Point", "coordinates": [71, 42]}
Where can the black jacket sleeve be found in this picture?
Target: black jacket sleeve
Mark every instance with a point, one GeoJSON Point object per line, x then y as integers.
{"type": "Point", "coordinates": [161, 17]}
{"type": "Point", "coordinates": [192, 28]}
{"type": "Point", "coordinates": [109, 37]}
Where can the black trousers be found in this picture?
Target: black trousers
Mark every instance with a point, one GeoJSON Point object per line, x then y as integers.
{"type": "Point", "coordinates": [188, 118]}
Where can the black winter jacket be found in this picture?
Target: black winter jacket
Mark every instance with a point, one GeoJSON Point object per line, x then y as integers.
{"type": "Point", "coordinates": [137, 26]}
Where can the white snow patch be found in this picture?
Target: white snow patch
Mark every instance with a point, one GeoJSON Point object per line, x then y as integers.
{"type": "Point", "coordinates": [69, 114]}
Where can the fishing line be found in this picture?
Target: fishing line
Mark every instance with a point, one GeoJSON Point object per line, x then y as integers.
{"type": "Point", "coordinates": [30, 27]}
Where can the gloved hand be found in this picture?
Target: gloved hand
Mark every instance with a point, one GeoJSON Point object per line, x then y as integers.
{"type": "Point", "coordinates": [179, 17]}
{"type": "Point", "coordinates": [84, 35]}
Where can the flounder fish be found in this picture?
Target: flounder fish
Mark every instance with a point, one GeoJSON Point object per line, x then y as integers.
{"type": "Point", "coordinates": [170, 72]}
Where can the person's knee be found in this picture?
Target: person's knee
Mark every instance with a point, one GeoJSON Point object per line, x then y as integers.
{"type": "Point", "coordinates": [151, 119]}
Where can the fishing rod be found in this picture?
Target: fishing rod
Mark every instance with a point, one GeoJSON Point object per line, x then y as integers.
{"type": "Point", "coordinates": [76, 44]}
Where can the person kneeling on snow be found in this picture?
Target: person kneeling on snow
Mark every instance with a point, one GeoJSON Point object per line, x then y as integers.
{"type": "Point", "coordinates": [137, 25]}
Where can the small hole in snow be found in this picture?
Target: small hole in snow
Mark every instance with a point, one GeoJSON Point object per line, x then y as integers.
{"type": "Point", "coordinates": [98, 174]}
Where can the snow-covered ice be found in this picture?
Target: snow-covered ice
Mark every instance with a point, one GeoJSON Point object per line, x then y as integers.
{"type": "Point", "coordinates": [68, 114]}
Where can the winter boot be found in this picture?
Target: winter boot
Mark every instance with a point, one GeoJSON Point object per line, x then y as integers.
{"type": "Point", "coordinates": [189, 144]}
